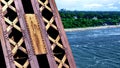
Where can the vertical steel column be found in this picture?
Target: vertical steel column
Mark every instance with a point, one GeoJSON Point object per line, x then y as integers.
{"type": "Point", "coordinates": [5, 42]}
{"type": "Point", "coordinates": [50, 55]}
{"type": "Point", "coordinates": [54, 34]}
{"type": "Point", "coordinates": [62, 34]}
{"type": "Point", "coordinates": [21, 16]}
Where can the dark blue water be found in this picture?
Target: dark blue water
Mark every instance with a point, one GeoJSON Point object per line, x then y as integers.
{"type": "Point", "coordinates": [96, 48]}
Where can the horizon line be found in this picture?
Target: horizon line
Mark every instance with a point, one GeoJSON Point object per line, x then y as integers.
{"type": "Point", "coordinates": [90, 10]}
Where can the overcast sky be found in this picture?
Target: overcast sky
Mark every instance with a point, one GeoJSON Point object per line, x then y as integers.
{"type": "Point", "coordinates": [89, 5]}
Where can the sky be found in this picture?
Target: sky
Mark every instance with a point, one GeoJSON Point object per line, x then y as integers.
{"type": "Point", "coordinates": [89, 5]}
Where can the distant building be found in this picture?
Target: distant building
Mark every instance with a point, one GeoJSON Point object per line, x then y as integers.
{"type": "Point", "coordinates": [95, 18]}
{"type": "Point", "coordinates": [75, 17]}
{"type": "Point", "coordinates": [105, 24]}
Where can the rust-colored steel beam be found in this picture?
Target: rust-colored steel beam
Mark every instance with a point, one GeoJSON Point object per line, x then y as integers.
{"type": "Point", "coordinates": [63, 35]}
{"type": "Point", "coordinates": [50, 55]}
{"type": "Point", "coordinates": [5, 42]}
{"type": "Point", "coordinates": [21, 16]}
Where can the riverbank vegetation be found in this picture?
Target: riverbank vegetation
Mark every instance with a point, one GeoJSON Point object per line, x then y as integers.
{"type": "Point", "coordinates": [81, 19]}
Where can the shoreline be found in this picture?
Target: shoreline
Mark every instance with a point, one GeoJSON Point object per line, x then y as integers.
{"type": "Point", "coordinates": [91, 28]}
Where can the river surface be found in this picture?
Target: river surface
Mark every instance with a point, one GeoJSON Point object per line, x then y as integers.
{"type": "Point", "coordinates": [96, 48]}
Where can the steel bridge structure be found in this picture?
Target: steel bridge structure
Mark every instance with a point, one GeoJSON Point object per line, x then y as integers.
{"type": "Point", "coordinates": [32, 35]}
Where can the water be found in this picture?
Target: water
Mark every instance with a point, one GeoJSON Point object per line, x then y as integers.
{"type": "Point", "coordinates": [96, 48]}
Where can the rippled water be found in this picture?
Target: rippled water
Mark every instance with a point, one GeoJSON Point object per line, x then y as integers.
{"type": "Point", "coordinates": [96, 48]}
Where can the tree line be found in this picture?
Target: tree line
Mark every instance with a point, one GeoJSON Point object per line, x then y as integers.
{"type": "Point", "coordinates": [80, 19]}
